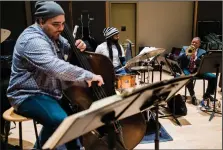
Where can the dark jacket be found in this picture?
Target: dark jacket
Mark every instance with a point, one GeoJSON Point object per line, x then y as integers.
{"type": "Point", "coordinates": [184, 60]}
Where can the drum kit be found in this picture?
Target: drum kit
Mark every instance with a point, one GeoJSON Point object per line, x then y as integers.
{"type": "Point", "coordinates": [126, 81]}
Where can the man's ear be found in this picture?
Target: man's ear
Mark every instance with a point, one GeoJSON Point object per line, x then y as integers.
{"type": "Point", "coordinates": [41, 22]}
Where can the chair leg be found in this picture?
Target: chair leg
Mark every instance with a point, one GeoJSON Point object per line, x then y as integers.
{"type": "Point", "coordinates": [7, 129]}
{"type": "Point", "coordinates": [203, 86]}
{"type": "Point", "coordinates": [36, 133]}
{"type": "Point", "coordinates": [20, 135]}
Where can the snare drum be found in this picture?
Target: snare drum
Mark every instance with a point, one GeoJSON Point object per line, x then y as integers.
{"type": "Point", "coordinates": [125, 81]}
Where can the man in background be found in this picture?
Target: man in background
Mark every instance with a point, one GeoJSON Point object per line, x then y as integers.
{"type": "Point", "coordinates": [189, 64]}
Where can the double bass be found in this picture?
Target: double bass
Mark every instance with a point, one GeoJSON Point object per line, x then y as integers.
{"type": "Point", "coordinates": [131, 130]}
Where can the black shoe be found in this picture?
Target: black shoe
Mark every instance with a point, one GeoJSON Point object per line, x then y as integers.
{"type": "Point", "coordinates": [208, 96]}
{"type": "Point", "coordinates": [212, 98]}
{"type": "Point", "coordinates": [194, 101]}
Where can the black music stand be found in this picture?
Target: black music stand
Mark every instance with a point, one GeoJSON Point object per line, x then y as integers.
{"type": "Point", "coordinates": [174, 67]}
{"type": "Point", "coordinates": [163, 65]}
{"type": "Point", "coordinates": [113, 108]}
{"type": "Point", "coordinates": [164, 62]}
{"type": "Point", "coordinates": [212, 62]}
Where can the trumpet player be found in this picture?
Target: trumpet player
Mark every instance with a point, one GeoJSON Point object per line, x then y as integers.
{"type": "Point", "coordinates": [189, 59]}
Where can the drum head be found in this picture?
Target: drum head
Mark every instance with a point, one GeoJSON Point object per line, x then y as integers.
{"type": "Point", "coordinates": [127, 74]}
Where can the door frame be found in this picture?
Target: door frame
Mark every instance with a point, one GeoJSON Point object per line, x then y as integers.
{"type": "Point", "coordinates": [28, 13]}
{"type": "Point", "coordinates": [194, 29]}
{"type": "Point", "coordinates": [108, 19]}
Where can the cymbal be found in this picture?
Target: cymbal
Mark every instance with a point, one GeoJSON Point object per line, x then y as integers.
{"type": "Point", "coordinates": [147, 55]}
{"type": "Point", "coordinates": [4, 34]}
{"type": "Point", "coordinates": [142, 68]}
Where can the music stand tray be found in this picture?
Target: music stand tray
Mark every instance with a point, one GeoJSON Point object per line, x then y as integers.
{"type": "Point", "coordinates": [174, 67]}
{"type": "Point", "coordinates": [123, 106]}
{"type": "Point", "coordinates": [212, 62]}
{"type": "Point", "coordinates": [163, 64]}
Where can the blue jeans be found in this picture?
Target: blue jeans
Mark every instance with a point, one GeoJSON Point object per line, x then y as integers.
{"type": "Point", "coordinates": [48, 112]}
{"type": "Point", "coordinates": [207, 76]}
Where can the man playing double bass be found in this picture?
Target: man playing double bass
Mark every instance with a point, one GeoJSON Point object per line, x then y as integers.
{"type": "Point", "coordinates": [39, 70]}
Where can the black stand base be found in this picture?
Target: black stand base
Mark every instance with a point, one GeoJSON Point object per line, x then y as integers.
{"type": "Point", "coordinates": [171, 115]}
{"type": "Point", "coordinates": [212, 115]}
{"type": "Point", "coordinates": [177, 121]}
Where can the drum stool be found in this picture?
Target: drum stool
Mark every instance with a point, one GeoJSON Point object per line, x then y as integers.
{"type": "Point", "coordinates": [10, 115]}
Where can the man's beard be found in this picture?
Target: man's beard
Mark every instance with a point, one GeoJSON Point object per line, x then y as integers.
{"type": "Point", "coordinates": [114, 41]}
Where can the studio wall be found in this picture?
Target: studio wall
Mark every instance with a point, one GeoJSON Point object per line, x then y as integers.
{"type": "Point", "coordinates": [165, 24]}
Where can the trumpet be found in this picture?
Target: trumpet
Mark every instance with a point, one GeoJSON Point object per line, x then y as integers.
{"type": "Point", "coordinates": [190, 50]}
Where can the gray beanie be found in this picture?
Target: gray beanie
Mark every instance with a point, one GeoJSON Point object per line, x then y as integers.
{"type": "Point", "coordinates": [48, 9]}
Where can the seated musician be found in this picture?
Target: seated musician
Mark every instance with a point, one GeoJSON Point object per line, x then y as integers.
{"type": "Point", "coordinates": [112, 49]}
{"type": "Point", "coordinates": [39, 71]}
{"type": "Point", "coordinates": [190, 64]}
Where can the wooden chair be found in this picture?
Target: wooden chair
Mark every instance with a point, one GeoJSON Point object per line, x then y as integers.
{"type": "Point", "coordinates": [10, 115]}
